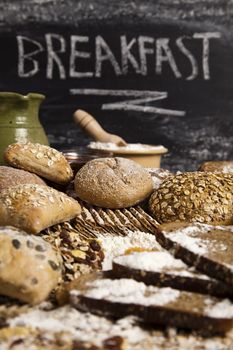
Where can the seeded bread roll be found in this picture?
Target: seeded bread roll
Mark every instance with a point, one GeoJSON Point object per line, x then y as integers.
{"type": "Point", "coordinates": [217, 166]}
{"type": "Point", "coordinates": [202, 197]}
{"type": "Point", "coordinates": [30, 268]}
{"type": "Point", "coordinates": [33, 207]}
{"type": "Point", "coordinates": [41, 160]}
{"type": "Point", "coordinates": [113, 183]}
{"type": "Point", "coordinates": [11, 177]}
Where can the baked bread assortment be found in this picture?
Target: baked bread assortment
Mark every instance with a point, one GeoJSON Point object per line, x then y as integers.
{"type": "Point", "coordinates": [42, 160]}
{"type": "Point", "coordinates": [166, 269]}
{"type": "Point", "coordinates": [30, 268]}
{"type": "Point", "coordinates": [11, 177]}
{"type": "Point", "coordinates": [113, 183]}
{"type": "Point", "coordinates": [34, 207]}
{"type": "Point", "coordinates": [217, 166]}
{"type": "Point", "coordinates": [197, 196]}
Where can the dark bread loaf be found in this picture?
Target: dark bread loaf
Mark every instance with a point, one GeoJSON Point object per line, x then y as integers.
{"type": "Point", "coordinates": [30, 268]}
{"type": "Point", "coordinates": [34, 207]}
{"type": "Point", "coordinates": [208, 248]}
{"type": "Point", "coordinates": [160, 268]}
{"type": "Point", "coordinates": [113, 183]}
{"type": "Point", "coordinates": [42, 160]}
{"type": "Point", "coordinates": [100, 294]}
{"type": "Point", "coordinates": [190, 197]}
{"type": "Point", "coordinates": [217, 166]}
{"type": "Point", "coordinates": [11, 177]}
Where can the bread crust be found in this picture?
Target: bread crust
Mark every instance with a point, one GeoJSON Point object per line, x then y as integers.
{"type": "Point", "coordinates": [113, 183]}
{"type": "Point", "coordinates": [40, 159]}
{"type": "Point", "coordinates": [33, 207]}
{"type": "Point", "coordinates": [30, 267]}
{"type": "Point", "coordinates": [11, 177]}
{"type": "Point", "coordinates": [197, 196]}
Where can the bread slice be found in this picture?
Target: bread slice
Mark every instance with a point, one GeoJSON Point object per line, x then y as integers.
{"type": "Point", "coordinates": [208, 248]}
{"type": "Point", "coordinates": [100, 294]}
{"type": "Point", "coordinates": [160, 268]}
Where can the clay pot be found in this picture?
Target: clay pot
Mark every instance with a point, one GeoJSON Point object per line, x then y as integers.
{"type": "Point", "coordinates": [19, 121]}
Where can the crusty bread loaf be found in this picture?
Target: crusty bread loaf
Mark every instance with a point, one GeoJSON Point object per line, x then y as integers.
{"type": "Point", "coordinates": [41, 160]}
{"type": "Point", "coordinates": [113, 183]}
{"type": "Point", "coordinates": [198, 196]}
{"type": "Point", "coordinates": [30, 268]}
{"type": "Point", "coordinates": [11, 177]}
{"type": "Point", "coordinates": [33, 207]}
{"type": "Point", "coordinates": [217, 166]}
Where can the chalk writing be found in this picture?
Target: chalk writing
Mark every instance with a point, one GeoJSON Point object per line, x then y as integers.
{"type": "Point", "coordinates": [97, 53]}
{"type": "Point", "coordinates": [132, 105]}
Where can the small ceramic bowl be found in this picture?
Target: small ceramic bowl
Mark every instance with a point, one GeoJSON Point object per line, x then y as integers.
{"type": "Point", "coordinates": [148, 156]}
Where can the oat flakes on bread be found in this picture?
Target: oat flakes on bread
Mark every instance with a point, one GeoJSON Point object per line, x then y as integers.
{"type": "Point", "coordinates": [40, 159]}
{"type": "Point", "coordinates": [30, 268]}
{"type": "Point", "coordinates": [11, 177]}
{"type": "Point", "coordinates": [34, 207]}
{"type": "Point", "coordinates": [198, 196]}
{"type": "Point", "coordinates": [113, 183]}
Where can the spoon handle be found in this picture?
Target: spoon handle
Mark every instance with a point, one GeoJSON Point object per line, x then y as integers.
{"type": "Point", "coordinates": [90, 125]}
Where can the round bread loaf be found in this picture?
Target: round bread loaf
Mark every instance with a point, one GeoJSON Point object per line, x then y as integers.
{"type": "Point", "coordinates": [217, 166]}
{"type": "Point", "coordinates": [202, 197]}
{"type": "Point", "coordinates": [113, 183]}
{"type": "Point", "coordinates": [12, 177]}
{"type": "Point", "coordinates": [30, 268]}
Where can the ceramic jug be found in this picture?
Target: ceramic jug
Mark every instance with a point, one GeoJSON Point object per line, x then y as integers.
{"type": "Point", "coordinates": [19, 120]}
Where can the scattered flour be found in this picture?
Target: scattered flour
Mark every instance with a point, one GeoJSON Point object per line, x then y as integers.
{"type": "Point", "coordinates": [128, 291]}
{"type": "Point", "coordinates": [117, 245]}
{"type": "Point", "coordinates": [109, 146]}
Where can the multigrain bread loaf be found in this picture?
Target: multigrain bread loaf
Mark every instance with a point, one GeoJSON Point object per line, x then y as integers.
{"type": "Point", "coordinates": [11, 177]}
{"type": "Point", "coordinates": [217, 166]}
{"type": "Point", "coordinates": [33, 207]}
{"type": "Point", "coordinates": [113, 183]}
{"type": "Point", "coordinates": [41, 160]}
{"type": "Point", "coordinates": [197, 196]}
{"type": "Point", "coordinates": [30, 268]}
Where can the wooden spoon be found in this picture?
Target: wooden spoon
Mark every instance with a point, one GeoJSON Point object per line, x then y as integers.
{"type": "Point", "coordinates": [94, 129]}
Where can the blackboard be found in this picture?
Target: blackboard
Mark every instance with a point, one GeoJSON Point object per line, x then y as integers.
{"type": "Point", "coordinates": [157, 72]}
